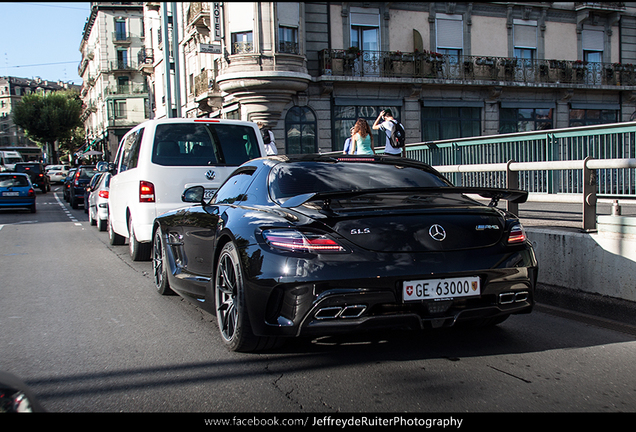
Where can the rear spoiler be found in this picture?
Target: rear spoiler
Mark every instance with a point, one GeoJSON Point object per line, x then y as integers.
{"type": "Point", "coordinates": [494, 194]}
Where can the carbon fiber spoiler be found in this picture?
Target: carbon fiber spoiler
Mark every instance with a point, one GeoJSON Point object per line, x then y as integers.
{"type": "Point", "coordinates": [494, 194]}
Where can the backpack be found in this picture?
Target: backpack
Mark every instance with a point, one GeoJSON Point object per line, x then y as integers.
{"type": "Point", "coordinates": [266, 138]}
{"type": "Point", "coordinates": [397, 135]}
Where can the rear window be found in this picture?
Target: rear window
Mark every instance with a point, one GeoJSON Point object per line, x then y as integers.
{"type": "Point", "coordinates": [13, 180]}
{"type": "Point", "coordinates": [287, 180]}
{"type": "Point", "coordinates": [204, 144]}
{"type": "Point", "coordinates": [34, 168]}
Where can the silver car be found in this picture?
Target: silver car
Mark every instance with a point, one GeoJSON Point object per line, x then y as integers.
{"type": "Point", "coordinates": [98, 202]}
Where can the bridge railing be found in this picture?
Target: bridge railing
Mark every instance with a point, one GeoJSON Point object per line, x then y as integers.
{"type": "Point", "coordinates": [577, 164]}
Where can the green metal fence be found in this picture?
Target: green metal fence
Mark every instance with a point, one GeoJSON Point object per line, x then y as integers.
{"type": "Point", "coordinates": [608, 141]}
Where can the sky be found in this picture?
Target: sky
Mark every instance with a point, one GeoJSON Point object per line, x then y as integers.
{"type": "Point", "coordinates": [42, 39]}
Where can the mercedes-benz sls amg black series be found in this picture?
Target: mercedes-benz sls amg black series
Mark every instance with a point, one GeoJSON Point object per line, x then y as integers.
{"type": "Point", "coordinates": [314, 245]}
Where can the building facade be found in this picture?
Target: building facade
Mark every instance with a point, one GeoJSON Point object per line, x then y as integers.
{"type": "Point", "coordinates": [114, 91]}
{"type": "Point", "coordinates": [447, 70]}
{"type": "Point", "coordinates": [12, 89]}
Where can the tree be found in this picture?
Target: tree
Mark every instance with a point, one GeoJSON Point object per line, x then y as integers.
{"type": "Point", "coordinates": [50, 117]}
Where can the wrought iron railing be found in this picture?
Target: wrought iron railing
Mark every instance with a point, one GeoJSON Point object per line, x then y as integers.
{"type": "Point", "coordinates": [473, 68]}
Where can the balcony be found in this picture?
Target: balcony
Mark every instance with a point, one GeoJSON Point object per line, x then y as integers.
{"type": "Point", "coordinates": [207, 92]}
{"type": "Point", "coordinates": [429, 65]}
{"type": "Point", "coordinates": [198, 14]}
{"type": "Point", "coordinates": [130, 89]}
{"type": "Point", "coordinates": [122, 66]}
{"type": "Point", "coordinates": [145, 60]}
{"type": "Point", "coordinates": [122, 38]}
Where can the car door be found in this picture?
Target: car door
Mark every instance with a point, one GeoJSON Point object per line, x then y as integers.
{"type": "Point", "coordinates": [200, 225]}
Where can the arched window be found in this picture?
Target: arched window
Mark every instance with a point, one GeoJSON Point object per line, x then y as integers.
{"type": "Point", "coordinates": [300, 131]}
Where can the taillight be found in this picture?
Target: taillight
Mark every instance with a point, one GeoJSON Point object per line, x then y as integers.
{"type": "Point", "coordinates": [77, 176]}
{"type": "Point", "coordinates": [103, 194]}
{"type": "Point", "coordinates": [517, 234]}
{"type": "Point", "coordinates": [31, 192]}
{"type": "Point", "coordinates": [295, 241]}
{"type": "Point", "coordinates": [146, 191]}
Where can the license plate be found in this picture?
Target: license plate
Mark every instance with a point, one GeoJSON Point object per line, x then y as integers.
{"type": "Point", "coordinates": [208, 193]}
{"type": "Point", "coordinates": [435, 289]}
{"type": "Point", "coordinates": [10, 193]}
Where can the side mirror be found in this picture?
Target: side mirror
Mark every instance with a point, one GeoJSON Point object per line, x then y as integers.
{"type": "Point", "coordinates": [194, 194]}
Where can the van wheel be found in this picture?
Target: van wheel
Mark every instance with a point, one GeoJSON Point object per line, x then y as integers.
{"type": "Point", "coordinates": [114, 238]}
{"type": "Point", "coordinates": [138, 251]}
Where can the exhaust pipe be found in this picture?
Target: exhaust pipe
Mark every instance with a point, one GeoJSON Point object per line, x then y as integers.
{"type": "Point", "coordinates": [353, 311]}
{"type": "Point", "coordinates": [513, 297]}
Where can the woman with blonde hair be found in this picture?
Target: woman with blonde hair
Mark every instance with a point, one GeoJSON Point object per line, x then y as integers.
{"type": "Point", "coordinates": [361, 138]}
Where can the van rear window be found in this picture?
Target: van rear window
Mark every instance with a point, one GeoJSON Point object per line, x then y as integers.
{"type": "Point", "coordinates": [204, 144]}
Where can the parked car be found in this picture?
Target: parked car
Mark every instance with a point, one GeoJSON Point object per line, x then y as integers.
{"type": "Point", "coordinates": [36, 171]}
{"type": "Point", "coordinates": [312, 245]}
{"type": "Point", "coordinates": [67, 183]}
{"type": "Point", "coordinates": [16, 190]}
{"type": "Point", "coordinates": [81, 179]}
{"type": "Point", "coordinates": [57, 173]}
{"type": "Point", "coordinates": [98, 201]}
{"type": "Point", "coordinates": [89, 188]}
{"type": "Point", "coordinates": [157, 159]}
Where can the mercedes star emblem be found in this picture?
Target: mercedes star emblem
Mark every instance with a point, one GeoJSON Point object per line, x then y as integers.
{"type": "Point", "coordinates": [437, 232]}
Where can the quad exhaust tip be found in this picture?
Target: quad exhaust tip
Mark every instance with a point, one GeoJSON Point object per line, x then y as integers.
{"type": "Point", "coordinates": [513, 297]}
{"type": "Point", "coordinates": [353, 311]}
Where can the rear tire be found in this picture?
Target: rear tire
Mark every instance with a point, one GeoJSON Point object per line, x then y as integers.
{"type": "Point", "coordinates": [114, 238]}
{"type": "Point", "coordinates": [102, 224]}
{"type": "Point", "coordinates": [231, 309]}
{"type": "Point", "coordinates": [138, 251]}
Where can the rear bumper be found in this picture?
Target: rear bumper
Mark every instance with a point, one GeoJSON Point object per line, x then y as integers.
{"type": "Point", "coordinates": [352, 297]}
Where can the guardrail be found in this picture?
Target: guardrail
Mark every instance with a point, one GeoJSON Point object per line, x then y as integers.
{"type": "Point", "coordinates": [588, 167]}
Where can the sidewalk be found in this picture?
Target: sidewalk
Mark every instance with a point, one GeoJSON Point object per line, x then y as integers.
{"type": "Point", "coordinates": [566, 218]}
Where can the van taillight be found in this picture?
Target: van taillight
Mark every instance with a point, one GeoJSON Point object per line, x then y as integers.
{"type": "Point", "coordinates": [103, 194]}
{"type": "Point", "coordinates": [146, 191]}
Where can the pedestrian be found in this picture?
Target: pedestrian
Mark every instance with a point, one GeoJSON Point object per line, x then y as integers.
{"type": "Point", "coordinates": [347, 149]}
{"type": "Point", "coordinates": [362, 138]}
{"type": "Point", "coordinates": [386, 122]}
{"type": "Point", "coordinates": [268, 139]}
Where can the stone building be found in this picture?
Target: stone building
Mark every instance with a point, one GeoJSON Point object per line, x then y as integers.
{"type": "Point", "coordinates": [446, 69]}
{"type": "Point", "coordinates": [114, 91]}
{"type": "Point", "coordinates": [12, 89]}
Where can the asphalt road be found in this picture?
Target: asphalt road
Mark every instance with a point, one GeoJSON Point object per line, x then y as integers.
{"type": "Point", "coordinates": [83, 326]}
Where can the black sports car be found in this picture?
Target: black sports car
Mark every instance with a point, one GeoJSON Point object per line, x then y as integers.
{"type": "Point", "coordinates": [316, 244]}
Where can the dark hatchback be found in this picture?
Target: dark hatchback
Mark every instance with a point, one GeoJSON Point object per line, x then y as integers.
{"type": "Point", "coordinates": [78, 183]}
{"type": "Point", "coordinates": [315, 245]}
{"type": "Point", "coordinates": [37, 173]}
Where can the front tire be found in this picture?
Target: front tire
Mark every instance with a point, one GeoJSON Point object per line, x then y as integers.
{"type": "Point", "coordinates": [160, 264]}
{"type": "Point", "coordinates": [231, 309]}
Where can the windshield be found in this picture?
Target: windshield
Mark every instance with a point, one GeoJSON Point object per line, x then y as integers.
{"type": "Point", "coordinates": [203, 144]}
{"type": "Point", "coordinates": [287, 180]}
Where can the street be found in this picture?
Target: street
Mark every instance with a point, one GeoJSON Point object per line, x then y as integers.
{"type": "Point", "coordinates": [83, 326]}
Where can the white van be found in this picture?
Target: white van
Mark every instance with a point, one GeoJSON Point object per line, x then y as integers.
{"type": "Point", "coordinates": [8, 159]}
{"type": "Point", "coordinates": [158, 159]}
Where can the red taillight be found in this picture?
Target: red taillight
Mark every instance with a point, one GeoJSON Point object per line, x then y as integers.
{"type": "Point", "coordinates": [103, 194]}
{"type": "Point", "coordinates": [77, 176]}
{"type": "Point", "coordinates": [517, 234]}
{"type": "Point", "coordinates": [295, 241]}
{"type": "Point", "coordinates": [31, 192]}
{"type": "Point", "coordinates": [146, 191]}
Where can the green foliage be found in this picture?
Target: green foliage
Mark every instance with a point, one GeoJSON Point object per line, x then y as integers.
{"type": "Point", "coordinates": [50, 117]}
